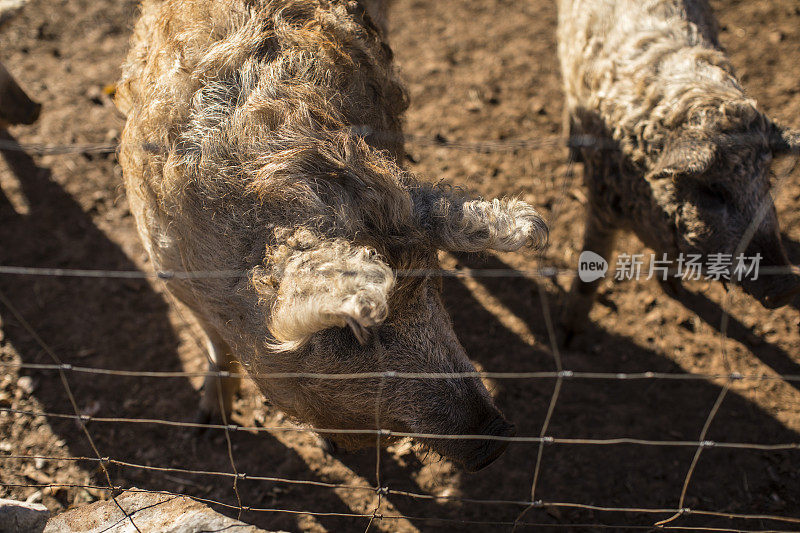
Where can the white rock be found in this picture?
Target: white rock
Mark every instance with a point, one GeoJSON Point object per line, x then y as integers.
{"type": "Point", "coordinates": [150, 512]}
{"type": "Point", "coordinates": [26, 384]}
{"type": "Point", "coordinates": [36, 497]}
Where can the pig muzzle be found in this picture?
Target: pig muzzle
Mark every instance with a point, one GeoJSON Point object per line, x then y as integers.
{"type": "Point", "coordinates": [488, 450]}
{"type": "Point", "coordinates": [780, 281]}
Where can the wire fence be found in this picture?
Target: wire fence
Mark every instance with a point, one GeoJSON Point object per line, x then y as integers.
{"type": "Point", "coordinates": [663, 518]}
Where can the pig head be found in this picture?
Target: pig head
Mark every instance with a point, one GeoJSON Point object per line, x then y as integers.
{"type": "Point", "coordinates": [711, 185]}
{"type": "Point", "coordinates": [345, 307]}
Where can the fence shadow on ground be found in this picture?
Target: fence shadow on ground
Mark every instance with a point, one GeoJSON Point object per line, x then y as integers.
{"type": "Point", "coordinates": [108, 323]}
{"type": "Point", "coordinates": [711, 313]}
{"type": "Point", "coordinates": [744, 481]}
{"type": "Point", "coordinates": [124, 324]}
{"type": "Point", "coordinates": [793, 252]}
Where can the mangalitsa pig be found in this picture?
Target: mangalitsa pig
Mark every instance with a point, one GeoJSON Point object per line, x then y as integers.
{"type": "Point", "coordinates": [264, 137]}
{"type": "Point", "coordinates": [673, 148]}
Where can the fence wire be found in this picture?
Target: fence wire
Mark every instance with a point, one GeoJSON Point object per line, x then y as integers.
{"type": "Point", "coordinates": [565, 374]}
{"type": "Point", "coordinates": [70, 395]}
{"type": "Point", "coordinates": [537, 504]}
{"type": "Point", "coordinates": [560, 375]}
{"type": "Point", "coordinates": [410, 434]}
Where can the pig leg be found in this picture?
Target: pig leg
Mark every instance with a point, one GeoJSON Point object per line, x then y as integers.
{"type": "Point", "coordinates": [218, 392]}
{"type": "Point", "coordinates": [599, 238]}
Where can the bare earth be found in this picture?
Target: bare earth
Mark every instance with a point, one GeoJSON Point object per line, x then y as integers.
{"type": "Point", "coordinates": [476, 70]}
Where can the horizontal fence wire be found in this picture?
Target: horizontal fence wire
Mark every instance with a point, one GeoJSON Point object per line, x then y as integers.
{"type": "Point", "coordinates": [565, 374]}
{"type": "Point", "coordinates": [438, 141]}
{"type": "Point", "coordinates": [480, 146]}
{"type": "Point", "coordinates": [541, 272]}
{"type": "Point", "coordinates": [410, 434]}
{"type": "Point", "coordinates": [212, 274]}
{"type": "Point", "coordinates": [367, 132]}
{"type": "Point", "coordinates": [539, 504]}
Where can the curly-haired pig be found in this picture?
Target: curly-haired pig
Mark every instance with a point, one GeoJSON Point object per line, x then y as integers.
{"type": "Point", "coordinates": [264, 137]}
{"type": "Point", "coordinates": [673, 148]}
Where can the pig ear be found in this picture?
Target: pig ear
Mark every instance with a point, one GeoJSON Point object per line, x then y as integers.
{"type": "Point", "coordinates": [457, 223]}
{"type": "Point", "coordinates": [331, 285]}
{"type": "Point", "coordinates": [784, 140]}
{"type": "Point", "coordinates": [685, 156]}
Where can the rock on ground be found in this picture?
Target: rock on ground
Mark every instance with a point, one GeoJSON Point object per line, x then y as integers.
{"type": "Point", "coordinates": [22, 517]}
{"type": "Point", "coordinates": [150, 512]}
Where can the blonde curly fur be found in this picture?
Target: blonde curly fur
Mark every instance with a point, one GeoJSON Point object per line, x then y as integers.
{"type": "Point", "coordinates": [243, 150]}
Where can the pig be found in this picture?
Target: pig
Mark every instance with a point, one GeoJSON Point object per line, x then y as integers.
{"type": "Point", "coordinates": [264, 137]}
{"type": "Point", "coordinates": [16, 107]}
{"type": "Point", "coordinates": [672, 147]}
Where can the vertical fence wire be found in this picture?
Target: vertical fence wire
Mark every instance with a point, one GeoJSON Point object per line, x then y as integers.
{"type": "Point", "coordinates": [701, 444]}
{"type": "Point", "coordinates": [73, 402]}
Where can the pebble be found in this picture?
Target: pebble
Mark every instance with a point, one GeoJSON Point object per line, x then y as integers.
{"type": "Point", "coordinates": [25, 383]}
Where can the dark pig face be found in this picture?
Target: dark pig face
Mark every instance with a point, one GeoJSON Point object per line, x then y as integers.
{"type": "Point", "coordinates": [341, 309]}
{"type": "Point", "coordinates": [716, 193]}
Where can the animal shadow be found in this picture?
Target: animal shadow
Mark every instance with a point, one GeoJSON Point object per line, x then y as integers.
{"type": "Point", "coordinates": [615, 475]}
{"type": "Point", "coordinates": [124, 324]}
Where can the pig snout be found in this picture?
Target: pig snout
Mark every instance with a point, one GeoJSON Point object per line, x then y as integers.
{"type": "Point", "coordinates": [778, 281]}
{"type": "Point", "coordinates": [474, 454]}
{"type": "Point", "coordinates": [487, 450]}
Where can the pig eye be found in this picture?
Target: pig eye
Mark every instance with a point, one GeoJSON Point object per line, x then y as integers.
{"type": "Point", "coordinates": [712, 196]}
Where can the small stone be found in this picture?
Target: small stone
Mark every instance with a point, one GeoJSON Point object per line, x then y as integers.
{"type": "Point", "coordinates": [91, 409]}
{"type": "Point", "coordinates": [777, 499]}
{"type": "Point", "coordinates": [776, 36]}
{"type": "Point", "coordinates": [538, 107]}
{"type": "Point", "coordinates": [25, 383]}
{"type": "Point", "coordinates": [38, 477]}
{"type": "Point", "coordinates": [22, 516]}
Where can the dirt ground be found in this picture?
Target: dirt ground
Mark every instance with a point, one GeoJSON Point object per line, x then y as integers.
{"type": "Point", "coordinates": [476, 70]}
